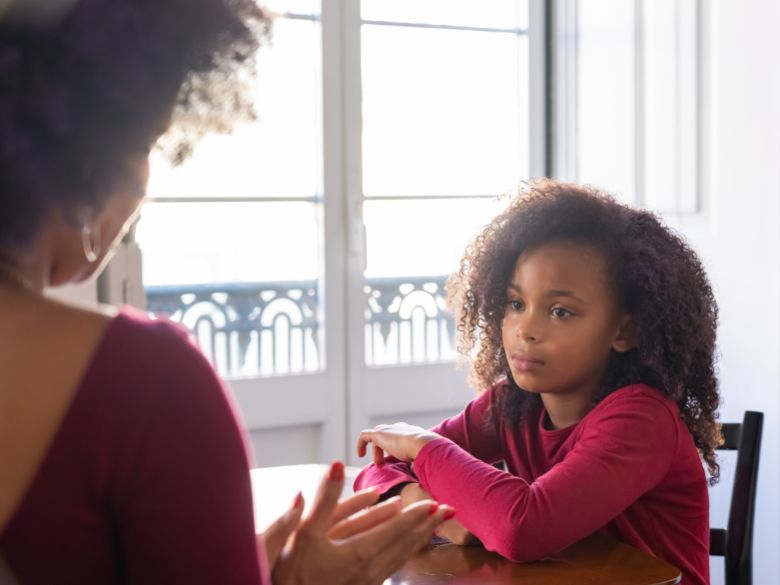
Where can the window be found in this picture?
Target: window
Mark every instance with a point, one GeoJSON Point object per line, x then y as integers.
{"type": "Point", "coordinates": [308, 251]}
{"type": "Point", "coordinates": [242, 270]}
{"type": "Point", "coordinates": [445, 129]}
{"type": "Point", "coordinates": [633, 116]}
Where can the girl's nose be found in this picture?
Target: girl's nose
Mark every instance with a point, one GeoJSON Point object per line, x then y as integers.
{"type": "Point", "coordinates": [528, 336]}
{"type": "Point", "coordinates": [527, 328]}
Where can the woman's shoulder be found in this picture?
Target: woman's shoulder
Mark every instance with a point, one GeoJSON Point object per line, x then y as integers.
{"type": "Point", "coordinates": [139, 364]}
{"type": "Point", "coordinates": [131, 326]}
{"type": "Point", "coordinates": [148, 370]}
{"type": "Point", "coordinates": [49, 319]}
{"type": "Point", "coordinates": [131, 338]}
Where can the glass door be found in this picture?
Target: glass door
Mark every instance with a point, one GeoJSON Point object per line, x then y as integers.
{"type": "Point", "coordinates": [309, 250]}
{"type": "Point", "coordinates": [439, 126]}
{"type": "Point", "coordinates": [233, 248]}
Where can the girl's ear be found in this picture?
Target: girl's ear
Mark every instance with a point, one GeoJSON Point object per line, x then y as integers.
{"type": "Point", "coordinates": [627, 337]}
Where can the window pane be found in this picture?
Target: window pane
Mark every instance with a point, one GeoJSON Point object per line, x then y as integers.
{"type": "Point", "coordinates": [412, 247]}
{"type": "Point", "coordinates": [253, 310]}
{"type": "Point", "coordinates": [605, 96]}
{"type": "Point", "coordinates": [422, 237]}
{"type": "Point", "coordinates": [280, 154]}
{"type": "Point", "coordinates": [228, 242]}
{"type": "Point", "coordinates": [637, 101]}
{"type": "Point", "coordinates": [670, 82]}
{"type": "Point", "coordinates": [493, 14]}
{"type": "Point", "coordinates": [243, 276]}
{"type": "Point", "coordinates": [309, 7]}
{"type": "Point", "coordinates": [444, 111]}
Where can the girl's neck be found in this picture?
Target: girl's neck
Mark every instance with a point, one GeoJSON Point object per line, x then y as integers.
{"type": "Point", "coordinates": [565, 410]}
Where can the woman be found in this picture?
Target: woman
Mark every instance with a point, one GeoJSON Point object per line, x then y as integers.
{"type": "Point", "coordinates": [122, 459]}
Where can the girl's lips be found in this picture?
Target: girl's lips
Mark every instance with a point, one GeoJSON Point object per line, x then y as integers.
{"type": "Point", "coordinates": [524, 363]}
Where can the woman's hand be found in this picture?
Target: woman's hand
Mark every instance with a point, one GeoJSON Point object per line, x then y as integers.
{"type": "Point", "coordinates": [399, 440]}
{"type": "Point", "coordinates": [452, 530]}
{"type": "Point", "coordinates": [336, 545]}
{"type": "Point", "coordinates": [349, 517]}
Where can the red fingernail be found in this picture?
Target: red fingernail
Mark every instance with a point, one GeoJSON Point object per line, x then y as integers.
{"type": "Point", "coordinates": [298, 501]}
{"type": "Point", "coordinates": [433, 508]}
{"type": "Point", "coordinates": [336, 471]}
{"type": "Point", "coordinates": [449, 515]}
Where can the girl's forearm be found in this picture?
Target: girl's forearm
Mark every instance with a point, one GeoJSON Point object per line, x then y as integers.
{"type": "Point", "coordinates": [452, 530]}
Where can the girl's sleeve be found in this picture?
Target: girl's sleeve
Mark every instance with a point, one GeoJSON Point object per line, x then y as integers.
{"type": "Point", "coordinates": [469, 430]}
{"type": "Point", "coordinates": [182, 494]}
{"type": "Point", "coordinates": [626, 449]}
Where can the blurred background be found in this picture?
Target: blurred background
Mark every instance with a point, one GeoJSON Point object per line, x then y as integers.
{"type": "Point", "coordinates": [308, 250]}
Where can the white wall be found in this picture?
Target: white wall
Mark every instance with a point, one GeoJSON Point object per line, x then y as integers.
{"type": "Point", "coordinates": [743, 257]}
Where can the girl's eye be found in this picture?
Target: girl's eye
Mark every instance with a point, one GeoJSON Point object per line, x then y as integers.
{"type": "Point", "coordinates": [560, 312]}
{"type": "Point", "coordinates": [515, 305]}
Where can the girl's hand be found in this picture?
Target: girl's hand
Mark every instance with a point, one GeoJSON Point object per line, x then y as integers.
{"type": "Point", "coordinates": [456, 533]}
{"type": "Point", "coordinates": [333, 545]}
{"type": "Point", "coordinates": [400, 440]}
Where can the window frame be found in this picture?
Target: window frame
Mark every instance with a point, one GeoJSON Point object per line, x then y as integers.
{"type": "Point", "coordinates": [346, 395]}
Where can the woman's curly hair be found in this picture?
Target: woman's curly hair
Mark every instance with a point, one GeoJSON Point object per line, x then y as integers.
{"type": "Point", "coordinates": [87, 84]}
{"type": "Point", "coordinates": [656, 277]}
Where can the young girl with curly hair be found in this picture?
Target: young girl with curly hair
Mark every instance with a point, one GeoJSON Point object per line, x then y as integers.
{"type": "Point", "coordinates": [594, 329]}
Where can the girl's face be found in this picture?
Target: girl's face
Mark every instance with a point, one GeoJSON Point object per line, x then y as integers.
{"type": "Point", "coordinates": [561, 321]}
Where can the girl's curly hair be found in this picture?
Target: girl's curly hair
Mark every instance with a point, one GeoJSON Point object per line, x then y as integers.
{"type": "Point", "coordinates": [656, 276]}
{"type": "Point", "coordinates": [87, 84]}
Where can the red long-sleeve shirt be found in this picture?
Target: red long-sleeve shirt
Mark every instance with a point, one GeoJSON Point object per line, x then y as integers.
{"type": "Point", "coordinates": [147, 480]}
{"type": "Point", "coordinates": [629, 468]}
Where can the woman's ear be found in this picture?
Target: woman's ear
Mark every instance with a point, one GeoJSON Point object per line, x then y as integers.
{"type": "Point", "coordinates": [627, 337]}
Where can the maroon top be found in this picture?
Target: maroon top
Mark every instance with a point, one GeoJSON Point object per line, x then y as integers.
{"type": "Point", "coordinates": [629, 468]}
{"type": "Point", "coordinates": [147, 479]}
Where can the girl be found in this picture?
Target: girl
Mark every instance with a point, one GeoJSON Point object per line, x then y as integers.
{"type": "Point", "coordinates": [594, 327]}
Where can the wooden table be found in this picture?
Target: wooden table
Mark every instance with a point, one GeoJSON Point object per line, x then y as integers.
{"type": "Point", "coordinates": [596, 560]}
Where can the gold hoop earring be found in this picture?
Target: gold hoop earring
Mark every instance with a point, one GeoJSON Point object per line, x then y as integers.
{"type": "Point", "coordinates": [89, 242]}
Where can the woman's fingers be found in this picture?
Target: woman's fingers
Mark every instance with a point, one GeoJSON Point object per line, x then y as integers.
{"type": "Point", "coordinates": [425, 515]}
{"type": "Point", "coordinates": [390, 544]}
{"type": "Point", "coordinates": [366, 519]}
{"type": "Point", "coordinates": [328, 494]}
{"type": "Point", "coordinates": [276, 535]}
{"type": "Point", "coordinates": [355, 503]}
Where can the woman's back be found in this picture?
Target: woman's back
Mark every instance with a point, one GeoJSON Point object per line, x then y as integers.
{"type": "Point", "coordinates": [44, 349]}
{"type": "Point", "coordinates": [135, 464]}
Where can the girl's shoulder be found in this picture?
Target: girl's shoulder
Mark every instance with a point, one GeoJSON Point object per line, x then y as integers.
{"type": "Point", "coordinates": [638, 406]}
{"type": "Point", "coordinates": [633, 393]}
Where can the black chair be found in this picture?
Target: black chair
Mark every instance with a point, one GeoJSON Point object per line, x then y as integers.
{"type": "Point", "coordinates": [736, 542]}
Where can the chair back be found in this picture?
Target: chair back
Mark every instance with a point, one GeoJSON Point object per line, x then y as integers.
{"type": "Point", "coordinates": [736, 542]}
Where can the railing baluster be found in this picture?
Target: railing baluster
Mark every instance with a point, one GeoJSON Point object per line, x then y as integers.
{"type": "Point", "coordinates": [290, 331]}
{"type": "Point", "coordinates": [235, 313]}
